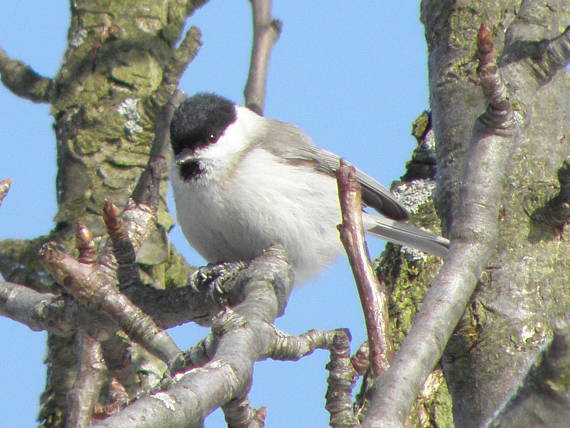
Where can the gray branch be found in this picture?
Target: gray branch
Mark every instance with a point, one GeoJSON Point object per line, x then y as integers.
{"type": "Point", "coordinates": [473, 240]}
{"type": "Point", "coordinates": [266, 31]}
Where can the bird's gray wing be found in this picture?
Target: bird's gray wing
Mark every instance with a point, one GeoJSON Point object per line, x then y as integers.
{"type": "Point", "coordinates": [289, 142]}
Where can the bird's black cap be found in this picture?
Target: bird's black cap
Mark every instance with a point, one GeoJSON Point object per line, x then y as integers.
{"type": "Point", "coordinates": [199, 121]}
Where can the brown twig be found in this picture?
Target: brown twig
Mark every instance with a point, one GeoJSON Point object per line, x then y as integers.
{"type": "Point", "coordinates": [499, 113]}
{"type": "Point", "coordinates": [341, 380]}
{"type": "Point", "coordinates": [89, 285]}
{"type": "Point", "coordinates": [372, 293]}
{"type": "Point", "coordinates": [361, 359]}
{"type": "Point", "coordinates": [123, 249]}
{"type": "Point", "coordinates": [266, 31]}
{"type": "Point", "coordinates": [85, 245]}
{"type": "Point", "coordinates": [84, 395]}
{"type": "Point", "coordinates": [147, 190]}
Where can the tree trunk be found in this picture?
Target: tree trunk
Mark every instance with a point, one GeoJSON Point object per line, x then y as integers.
{"type": "Point", "coordinates": [525, 287]}
{"type": "Point", "coordinates": [120, 67]}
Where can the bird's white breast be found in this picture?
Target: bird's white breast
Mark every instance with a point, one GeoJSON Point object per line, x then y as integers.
{"type": "Point", "coordinates": [244, 203]}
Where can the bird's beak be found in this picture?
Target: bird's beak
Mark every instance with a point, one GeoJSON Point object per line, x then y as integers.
{"type": "Point", "coordinates": [183, 157]}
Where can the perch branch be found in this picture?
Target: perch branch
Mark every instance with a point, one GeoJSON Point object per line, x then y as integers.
{"type": "Point", "coordinates": [473, 240]}
{"type": "Point", "coordinates": [266, 31]}
{"type": "Point", "coordinates": [23, 81]}
{"type": "Point", "coordinates": [372, 293]}
{"type": "Point", "coordinates": [244, 335]}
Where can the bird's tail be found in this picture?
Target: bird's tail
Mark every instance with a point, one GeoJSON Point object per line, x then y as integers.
{"type": "Point", "coordinates": [405, 234]}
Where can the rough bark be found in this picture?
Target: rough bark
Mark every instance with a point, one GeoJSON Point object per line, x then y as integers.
{"type": "Point", "coordinates": [121, 65]}
{"type": "Point", "coordinates": [524, 288]}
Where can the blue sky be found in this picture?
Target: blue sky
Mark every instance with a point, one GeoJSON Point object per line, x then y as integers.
{"type": "Point", "coordinates": [353, 78]}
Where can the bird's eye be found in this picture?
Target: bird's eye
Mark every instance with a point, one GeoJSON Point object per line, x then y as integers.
{"type": "Point", "coordinates": [212, 137]}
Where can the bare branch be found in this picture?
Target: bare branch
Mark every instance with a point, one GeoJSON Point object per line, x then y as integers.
{"type": "Point", "coordinates": [4, 189]}
{"type": "Point", "coordinates": [473, 240]}
{"type": "Point", "coordinates": [84, 395]}
{"type": "Point", "coordinates": [342, 378]}
{"type": "Point", "coordinates": [372, 294]}
{"type": "Point", "coordinates": [89, 284]}
{"type": "Point", "coordinates": [23, 81]}
{"type": "Point", "coordinates": [24, 305]}
{"type": "Point", "coordinates": [239, 414]}
{"type": "Point", "coordinates": [266, 31]}
{"type": "Point", "coordinates": [244, 335]}
{"type": "Point", "coordinates": [147, 190]}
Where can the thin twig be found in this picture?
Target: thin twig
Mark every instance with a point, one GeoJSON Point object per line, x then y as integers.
{"type": "Point", "coordinates": [499, 112]}
{"type": "Point", "coordinates": [147, 190]}
{"type": "Point", "coordinates": [266, 31]}
{"type": "Point", "coordinates": [372, 293]}
{"type": "Point", "coordinates": [85, 245]}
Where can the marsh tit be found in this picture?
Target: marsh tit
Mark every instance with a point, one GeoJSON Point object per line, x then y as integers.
{"type": "Point", "coordinates": [243, 182]}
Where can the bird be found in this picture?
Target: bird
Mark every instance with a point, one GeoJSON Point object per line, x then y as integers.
{"type": "Point", "coordinates": [242, 182]}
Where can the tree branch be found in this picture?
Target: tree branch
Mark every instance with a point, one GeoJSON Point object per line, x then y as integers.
{"type": "Point", "coordinates": [239, 414]}
{"type": "Point", "coordinates": [89, 284]}
{"type": "Point", "coordinates": [244, 335]}
{"type": "Point", "coordinates": [341, 380]}
{"type": "Point", "coordinates": [147, 190]}
{"type": "Point", "coordinates": [23, 81]}
{"type": "Point", "coordinates": [372, 293]}
{"type": "Point", "coordinates": [473, 239]}
{"type": "Point", "coordinates": [84, 395]}
{"type": "Point", "coordinates": [266, 31]}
